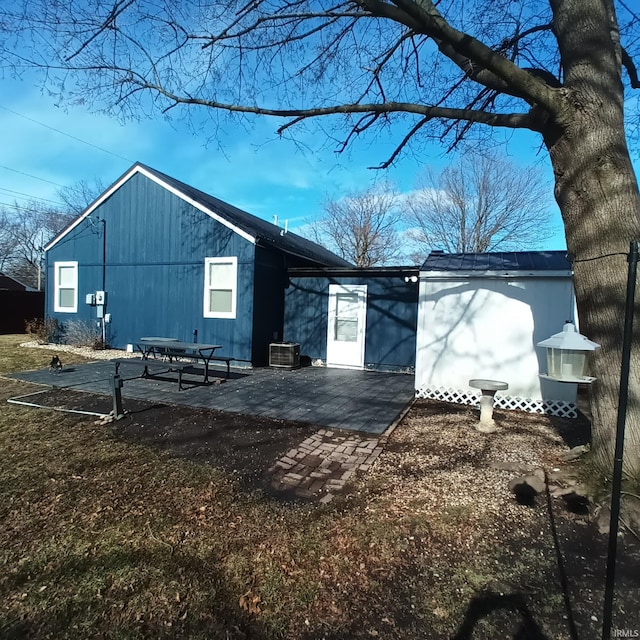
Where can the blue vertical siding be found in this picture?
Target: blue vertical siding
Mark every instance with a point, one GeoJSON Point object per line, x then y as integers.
{"type": "Point", "coordinates": [305, 319]}
{"type": "Point", "coordinates": [392, 310]}
{"type": "Point", "coordinates": [392, 318]}
{"type": "Point", "coordinates": [156, 244]}
{"type": "Point", "coordinates": [268, 315]}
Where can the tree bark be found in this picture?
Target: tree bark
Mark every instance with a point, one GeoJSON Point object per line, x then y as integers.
{"type": "Point", "coordinates": [597, 192]}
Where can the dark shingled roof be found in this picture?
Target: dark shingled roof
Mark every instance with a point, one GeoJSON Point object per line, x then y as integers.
{"type": "Point", "coordinates": [499, 261]}
{"type": "Point", "coordinates": [7, 282]}
{"type": "Point", "coordinates": [266, 234]}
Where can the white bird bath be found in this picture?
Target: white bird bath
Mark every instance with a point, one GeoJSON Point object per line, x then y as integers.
{"type": "Point", "coordinates": [488, 389]}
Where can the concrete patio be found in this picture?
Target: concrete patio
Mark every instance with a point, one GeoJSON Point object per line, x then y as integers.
{"type": "Point", "coordinates": [363, 401]}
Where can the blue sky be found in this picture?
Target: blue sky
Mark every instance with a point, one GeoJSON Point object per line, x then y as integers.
{"type": "Point", "coordinates": [250, 168]}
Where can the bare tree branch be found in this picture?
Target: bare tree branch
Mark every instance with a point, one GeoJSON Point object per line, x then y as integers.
{"type": "Point", "coordinates": [467, 52]}
{"type": "Point", "coordinates": [361, 227]}
{"type": "Point", "coordinates": [476, 205]}
{"type": "Point", "coordinates": [117, 9]}
{"type": "Point", "coordinates": [508, 120]}
{"type": "Point", "coordinates": [632, 70]}
{"type": "Point", "coordinates": [404, 142]}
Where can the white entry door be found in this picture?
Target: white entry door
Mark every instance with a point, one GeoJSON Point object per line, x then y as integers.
{"type": "Point", "coordinates": [346, 330]}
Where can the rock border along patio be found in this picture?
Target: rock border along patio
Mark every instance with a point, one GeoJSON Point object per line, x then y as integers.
{"type": "Point", "coordinates": [322, 464]}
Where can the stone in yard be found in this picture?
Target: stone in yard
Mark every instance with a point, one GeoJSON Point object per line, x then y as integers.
{"type": "Point", "coordinates": [575, 453]}
{"type": "Point", "coordinates": [515, 467]}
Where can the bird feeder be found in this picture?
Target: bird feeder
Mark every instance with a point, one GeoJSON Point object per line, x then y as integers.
{"type": "Point", "coordinates": [567, 355]}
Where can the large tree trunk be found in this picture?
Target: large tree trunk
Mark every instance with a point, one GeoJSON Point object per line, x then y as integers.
{"type": "Point", "coordinates": [597, 192]}
{"type": "Point", "coordinates": [601, 211]}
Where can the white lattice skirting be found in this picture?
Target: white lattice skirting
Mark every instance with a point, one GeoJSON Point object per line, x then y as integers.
{"type": "Point", "coordinates": [459, 396]}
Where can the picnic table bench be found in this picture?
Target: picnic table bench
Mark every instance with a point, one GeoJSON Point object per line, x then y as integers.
{"type": "Point", "coordinates": [146, 364]}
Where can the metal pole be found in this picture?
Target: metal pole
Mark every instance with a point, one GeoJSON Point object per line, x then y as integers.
{"type": "Point", "coordinates": [104, 280]}
{"type": "Point", "coordinates": [116, 386]}
{"type": "Point", "coordinates": [616, 484]}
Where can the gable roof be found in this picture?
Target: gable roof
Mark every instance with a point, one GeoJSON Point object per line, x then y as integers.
{"type": "Point", "coordinates": [7, 282]}
{"type": "Point", "coordinates": [504, 263]}
{"type": "Point", "coordinates": [250, 227]}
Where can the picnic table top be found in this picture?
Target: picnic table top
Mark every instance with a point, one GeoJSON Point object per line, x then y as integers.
{"type": "Point", "coordinates": [175, 345]}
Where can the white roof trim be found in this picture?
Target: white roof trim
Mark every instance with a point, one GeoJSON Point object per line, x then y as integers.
{"type": "Point", "coordinates": [513, 274]}
{"type": "Point", "coordinates": [138, 169]}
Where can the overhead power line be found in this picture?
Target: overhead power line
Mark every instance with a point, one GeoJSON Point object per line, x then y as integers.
{"type": "Point", "coordinates": [27, 195]}
{"type": "Point", "coordinates": [64, 133]}
{"type": "Point", "coordinates": [29, 175]}
{"type": "Point", "coordinates": [18, 207]}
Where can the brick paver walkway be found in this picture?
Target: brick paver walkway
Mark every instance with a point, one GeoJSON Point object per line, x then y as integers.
{"type": "Point", "coordinates": [323, 463]}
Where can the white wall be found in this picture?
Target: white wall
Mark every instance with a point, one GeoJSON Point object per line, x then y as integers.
{"type": "Point", "coordinates": [488, 328]}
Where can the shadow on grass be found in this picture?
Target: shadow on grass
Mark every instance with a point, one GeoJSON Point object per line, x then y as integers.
{"type": "Point", "coordinates": [100, 596]}
{"type": "Point", "coordinates": [483, 606]}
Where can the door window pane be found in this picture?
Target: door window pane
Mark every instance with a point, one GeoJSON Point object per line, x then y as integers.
{"type": "Point", "coordinates": [346, 330]}
{"type": "Point", "coordinates": [346, 322]}
{"type": "Point", "coordinates": [347, 305]}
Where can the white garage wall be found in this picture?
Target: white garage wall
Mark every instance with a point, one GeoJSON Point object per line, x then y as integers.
{"type": "Point", "coordinates": [487, 327]}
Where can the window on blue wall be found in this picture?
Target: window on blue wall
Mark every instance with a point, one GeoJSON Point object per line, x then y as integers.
{"type": "Point", "coordinates": [65, 284]}
{"type": "Point", "coordinates": [220, 287]}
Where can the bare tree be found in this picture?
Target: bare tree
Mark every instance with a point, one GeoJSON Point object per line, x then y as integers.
{"type": "Point", "coordinates": [479, 204]}
{"type": "Point", "coordinates": [361, 227]}
{"type": "Point", "coordinates": [7, 241]}
{"type": "Point", "coordinates": [563, 69]}
{"type": "Point", "coordinates": [26, 227]}
{"type": "Point", "coordinates": [76, 198]}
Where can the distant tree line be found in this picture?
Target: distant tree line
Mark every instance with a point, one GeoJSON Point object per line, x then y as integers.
{"type": "Point", "coordinates": [26, 228]}
{"type": "Point", "coordinates": [478, 204]}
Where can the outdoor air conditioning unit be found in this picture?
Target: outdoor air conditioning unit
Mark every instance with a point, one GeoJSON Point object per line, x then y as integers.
{"type": "Point", "coordinates": [284, 355]}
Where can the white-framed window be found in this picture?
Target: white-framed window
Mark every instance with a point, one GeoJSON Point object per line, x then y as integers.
{"type": "Point", "coordinates": [65, 287]}
{"type": "Point", "coordinates": [220, 287]}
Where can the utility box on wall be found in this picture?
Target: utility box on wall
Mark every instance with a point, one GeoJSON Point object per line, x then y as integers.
{"type": "Point", "coordinates": [284, 355]}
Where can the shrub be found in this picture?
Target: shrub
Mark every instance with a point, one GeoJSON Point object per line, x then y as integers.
{"type": "Point", "coordinates": [45, 330]}
{"type": "Point", "coordinates": [84, 334]}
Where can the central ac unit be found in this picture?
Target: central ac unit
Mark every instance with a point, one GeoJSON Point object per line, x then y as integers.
{"type": "Point", "coordinates": [284, 355]}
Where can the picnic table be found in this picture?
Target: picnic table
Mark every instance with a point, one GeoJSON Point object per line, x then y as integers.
{"type": "Point", "coordinates": [174, 355]}
{"type": "Point", "coordinates": [170, 350]}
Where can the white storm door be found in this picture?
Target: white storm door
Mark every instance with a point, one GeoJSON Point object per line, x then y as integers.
{"type": "Point", "coordinates": [346, 330]}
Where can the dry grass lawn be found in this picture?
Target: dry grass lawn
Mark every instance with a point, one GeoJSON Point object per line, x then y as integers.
{"type": "Point", "coordinates": [107, 537]}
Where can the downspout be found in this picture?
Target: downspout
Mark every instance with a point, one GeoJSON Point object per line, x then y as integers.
{"type": "Point", "coordinates": [104, 254]}
{"type": "Point", "coordinates": [104, 279]}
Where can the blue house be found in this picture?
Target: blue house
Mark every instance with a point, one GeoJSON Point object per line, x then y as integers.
{"type": "Point", "coordinates": [354, 318]}
{"type": "Point", "coordinates": [153, 256]}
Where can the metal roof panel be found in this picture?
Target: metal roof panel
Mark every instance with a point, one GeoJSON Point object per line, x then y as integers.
{"type": "Point", "coordinates": [498, 261]}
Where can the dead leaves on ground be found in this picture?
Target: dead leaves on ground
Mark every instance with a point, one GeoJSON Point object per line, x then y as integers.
{"type": "Point", "coordinates": [250, 602]}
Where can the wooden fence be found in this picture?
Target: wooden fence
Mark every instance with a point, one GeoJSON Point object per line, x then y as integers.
{"type": "Point", "coordinates": [16, 307]}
